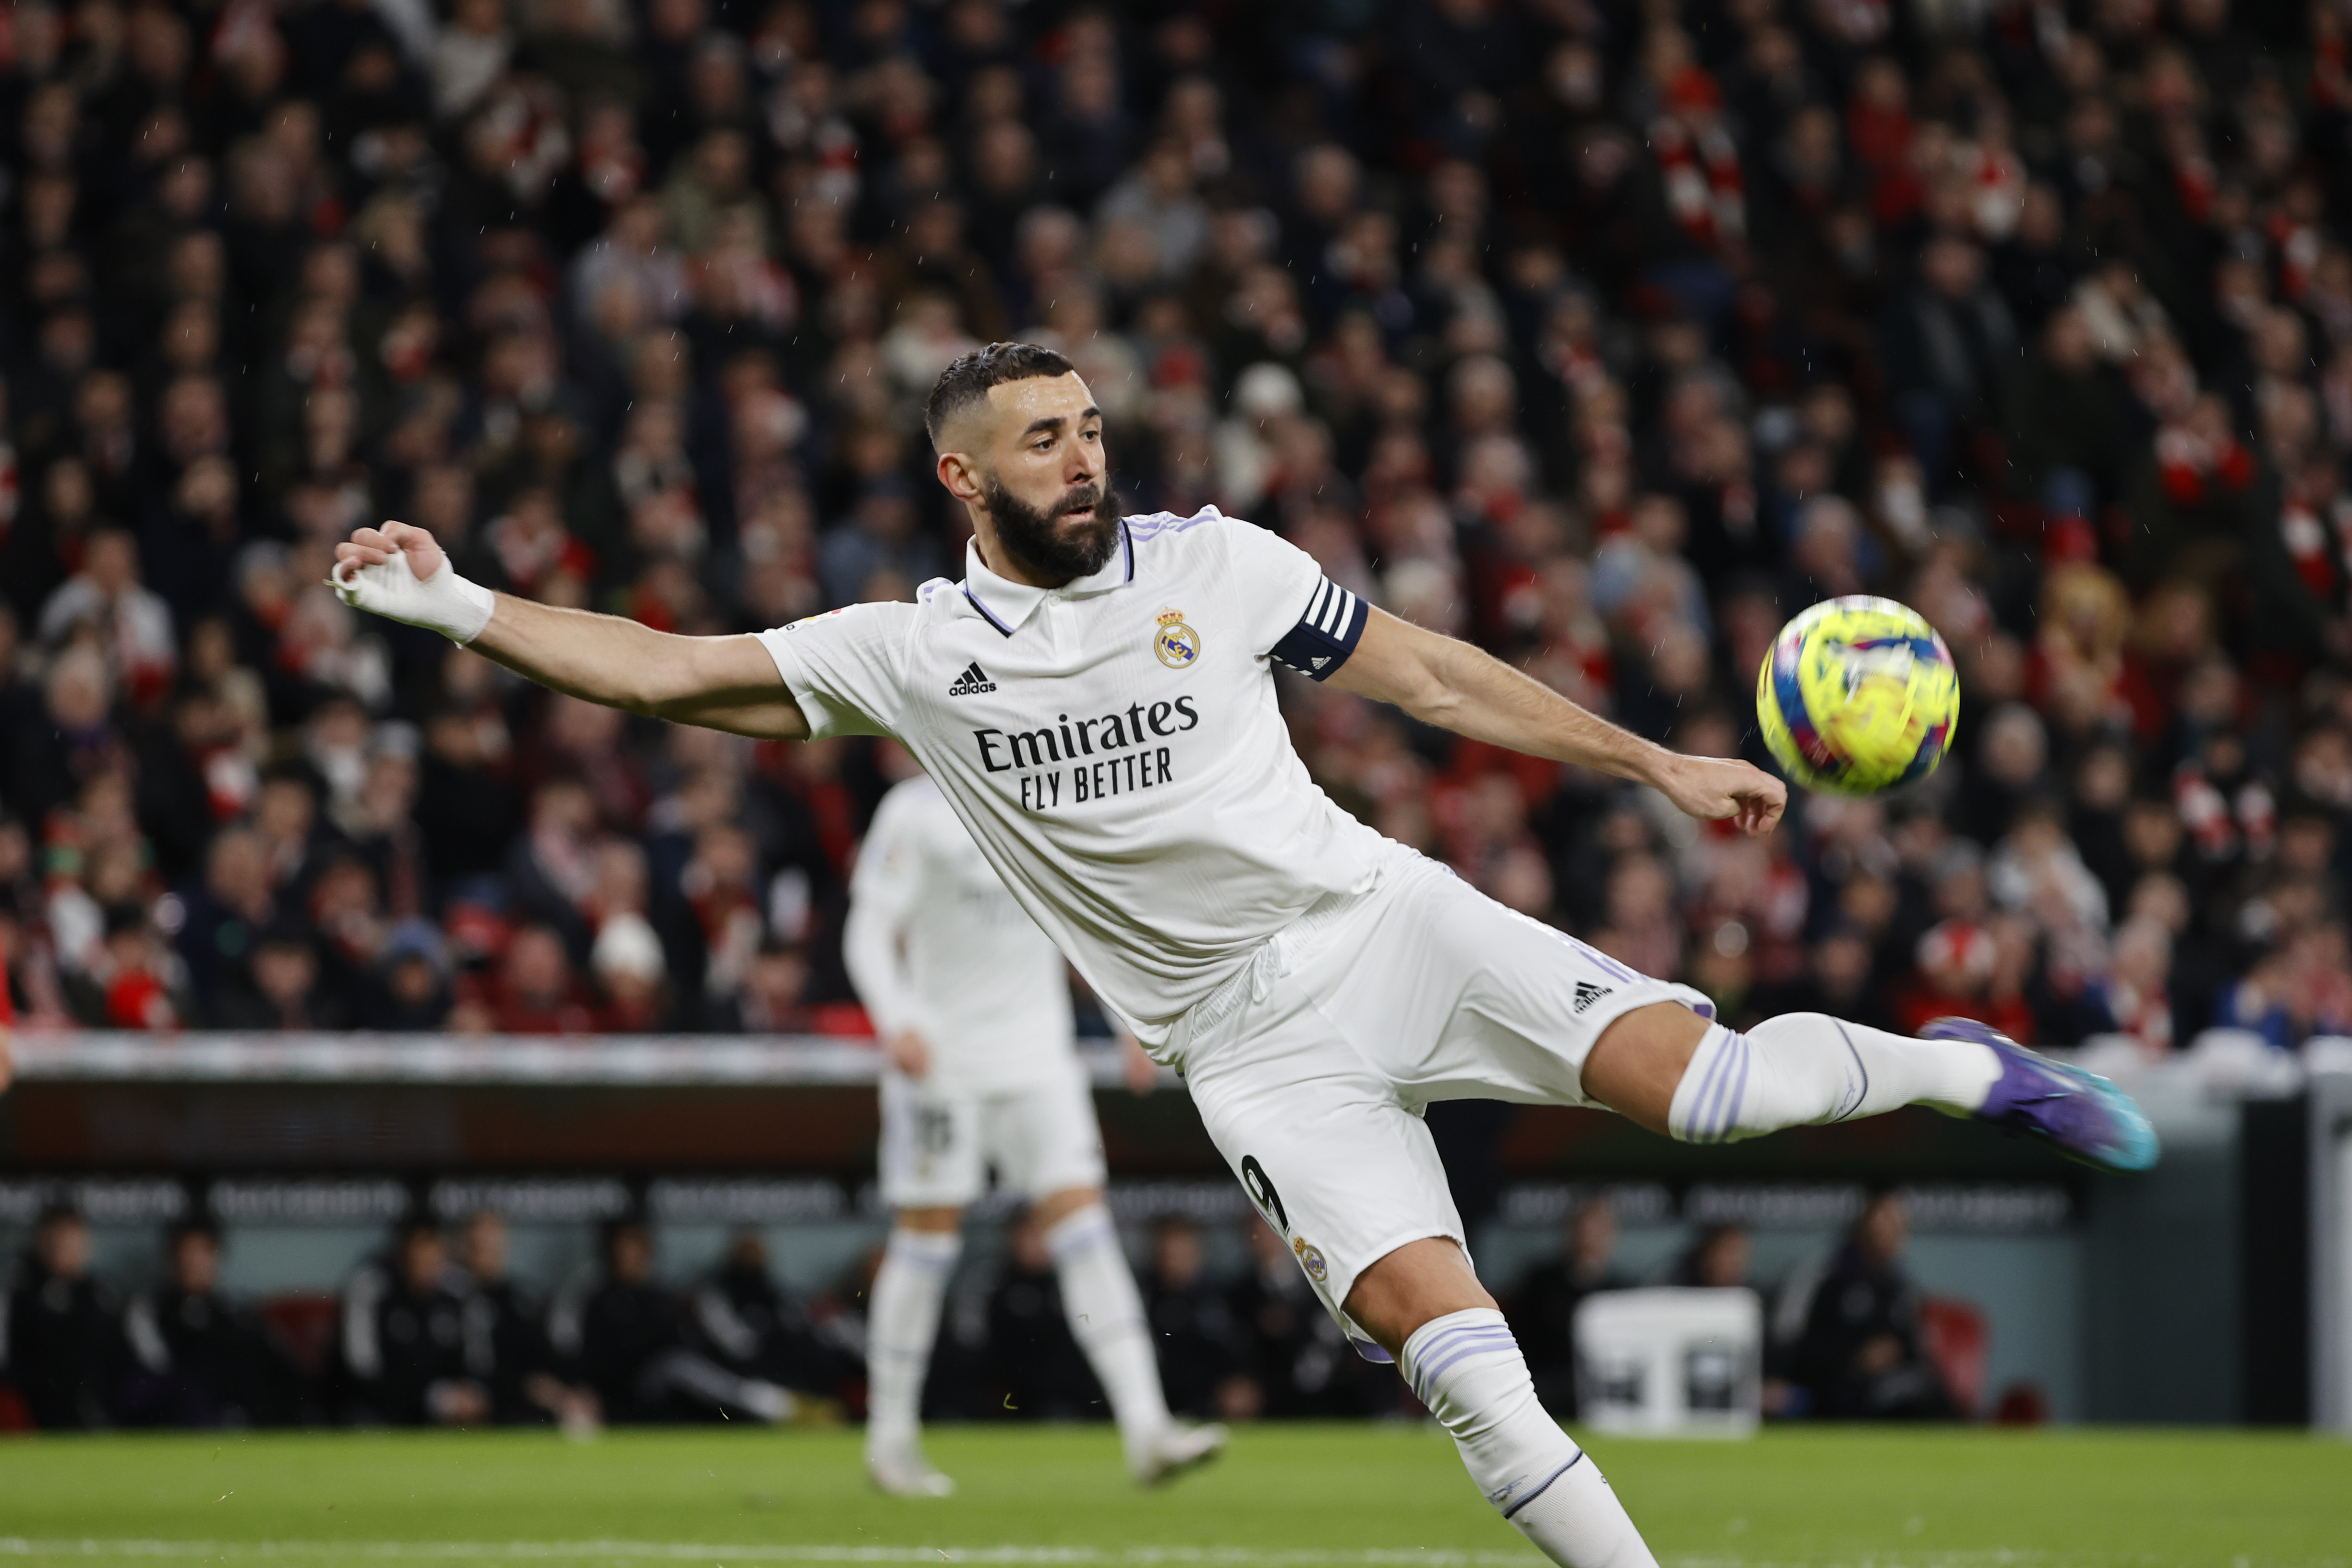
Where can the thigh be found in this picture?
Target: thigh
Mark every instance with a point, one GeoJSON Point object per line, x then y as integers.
{"type": "Point", "coordinates": [1043, 1138]}
{"type": "Point", "coordinates": [1455, 997]}
{"type": "Point", "coordinates": [1331, 1157]}
{"type": "Point", "coordinates": [931, 1155]}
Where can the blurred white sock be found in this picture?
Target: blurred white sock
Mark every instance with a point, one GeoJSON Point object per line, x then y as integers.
{"type": "Point", "coordinates": [1107, 1319]}
{"type": "Point", "coordinates": [901, 1325]}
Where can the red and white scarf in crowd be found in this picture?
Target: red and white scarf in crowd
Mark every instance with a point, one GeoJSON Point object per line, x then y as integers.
{"type": "Point", "coordinates": [2318, 533]}
{"type": "Point", "coordinates": [1699, 161]}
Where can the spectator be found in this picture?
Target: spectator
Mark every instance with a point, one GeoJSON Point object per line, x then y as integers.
{"type": "Point", "coordinates": [1542, 1310]}
{"type": "Point", "coordinates": [1201, 1365]}
{"type": "Point", "coordinates": [64, 1350]}
{"type": "Point", "coordinates": [748, 1322]}
{"type": "Point", "coordinates": [404, 1338]}
{"type": "Point", "coordinates": [1716, 1259]}
{"type": "Point", "coordinates": [628, 1336]}
{"type": "Point", "coordinates": [507, 1348]}
{"type": "Point", "coordinates": [203, 1360]}
{"type": "Point", "coordinates": [1850, 1329]}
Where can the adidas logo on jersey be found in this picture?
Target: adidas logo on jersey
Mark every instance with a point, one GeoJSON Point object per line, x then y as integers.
{"type": "Point", "coordinates": [972, 682]}
{"type": "Point", "coordinates": [1586, 994]}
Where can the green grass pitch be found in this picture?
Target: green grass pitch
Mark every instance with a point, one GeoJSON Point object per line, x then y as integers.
{"type": "Point", "coordinates": [1345, 1496]}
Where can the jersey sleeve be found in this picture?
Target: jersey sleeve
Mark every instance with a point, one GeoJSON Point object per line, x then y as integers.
{"type": "Point", "coordinates": [883, 889]}
{"type": "Point", "coordinates": [845, 667]}
{"type": "Point", "coordinates": [1298, 617]}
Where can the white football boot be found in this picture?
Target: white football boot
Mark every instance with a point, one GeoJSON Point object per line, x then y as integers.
{"type": "Point", "coordinates": [1179, 1447]}
{"type": "Point", "coordinates": [900, 1469]}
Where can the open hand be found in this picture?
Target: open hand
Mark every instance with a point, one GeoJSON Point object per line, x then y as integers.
{"type": "Point", "coordinates": [1714, 788]}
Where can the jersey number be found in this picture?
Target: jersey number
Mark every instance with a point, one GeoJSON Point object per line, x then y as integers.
{"type": "Point", "coordinates": [934, 1129]}
{"type": "Point", "coordinates": [1261, 1187]}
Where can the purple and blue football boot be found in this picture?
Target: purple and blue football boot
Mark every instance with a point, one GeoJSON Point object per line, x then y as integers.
{"type": "Point", "coordinates": [2081, 1114]}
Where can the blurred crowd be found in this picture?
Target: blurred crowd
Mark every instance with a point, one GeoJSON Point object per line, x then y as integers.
{"type": "Point", "coordinates": [1605, 334]}
{"type": "Point", "coordinates": [436, 1330]}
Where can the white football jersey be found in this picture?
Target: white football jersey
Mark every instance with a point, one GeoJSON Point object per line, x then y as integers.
{"type": "Point", "coordinates": [1113, 746]}
{"type": "Point", "coordinates": [936, 945]}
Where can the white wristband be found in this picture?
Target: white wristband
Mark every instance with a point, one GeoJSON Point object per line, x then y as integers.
{"type": "Point", "coordinates": [445, 602]}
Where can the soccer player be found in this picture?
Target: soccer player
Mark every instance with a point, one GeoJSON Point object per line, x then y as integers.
{"type": "Point", "coordinates": [973, 1006]}
{"type": "Point", "coordinates": [1095, 699]}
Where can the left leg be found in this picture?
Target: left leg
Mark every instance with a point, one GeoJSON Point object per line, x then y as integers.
{"type": "Point", "coordinates": [1425, 1307]}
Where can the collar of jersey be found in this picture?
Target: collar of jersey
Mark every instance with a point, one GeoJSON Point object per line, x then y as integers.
{"type": "Point", "coordinates": [1006, 605]}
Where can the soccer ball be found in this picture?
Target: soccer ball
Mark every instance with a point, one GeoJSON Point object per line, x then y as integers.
{"type": "Point", "coordinates": [1858, 695]}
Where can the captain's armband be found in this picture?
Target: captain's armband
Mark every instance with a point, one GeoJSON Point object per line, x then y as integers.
{"type": "Point", "coordinates": [1326, 634]}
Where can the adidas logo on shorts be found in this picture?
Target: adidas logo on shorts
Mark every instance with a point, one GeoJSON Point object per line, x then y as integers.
{"type": "Point", "coordinates": [972, 682]}
{"type": "Point", "coordinates": [1586, 994]}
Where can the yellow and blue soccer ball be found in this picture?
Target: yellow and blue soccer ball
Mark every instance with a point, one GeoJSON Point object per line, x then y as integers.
{"type": "Point", "coordinates": [1858, 695]}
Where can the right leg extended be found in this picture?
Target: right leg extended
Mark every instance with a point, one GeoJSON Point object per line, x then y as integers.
{"type": "Point", "coordinates": [1676, 1073]}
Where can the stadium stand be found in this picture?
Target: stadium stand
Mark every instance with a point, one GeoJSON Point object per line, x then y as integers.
{"type": "Point", "coordinates": [1605, 335]}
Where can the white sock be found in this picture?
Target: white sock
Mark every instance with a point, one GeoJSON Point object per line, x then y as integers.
{"type": "Point", "coordinates": [1803, 1068]}
{"type": "Point", "coordinates": [1467, 1369]}
{"type": "Point", "coordinates": [1107, 1319]}
{"type": "Point", "coordinates": [900, 1326]}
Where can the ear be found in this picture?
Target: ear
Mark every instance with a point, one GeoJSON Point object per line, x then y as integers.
{"type": "Point", "coordinates": [961, 475]}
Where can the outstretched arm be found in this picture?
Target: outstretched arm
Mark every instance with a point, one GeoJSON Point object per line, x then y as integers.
{"type": "Point", "coordinates": [722, 683]}
{"type": "Point", "coordinates": [1459, 687]}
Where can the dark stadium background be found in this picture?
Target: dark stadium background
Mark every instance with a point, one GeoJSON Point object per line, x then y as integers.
{"type": "Point", "coordinates": [1605, 335]}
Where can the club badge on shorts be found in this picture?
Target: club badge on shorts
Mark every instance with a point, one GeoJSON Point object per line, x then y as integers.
{"type": "Point", "coordinates": [1178, 645]}
{"type": "Point", "coordinates": [1311, 1259]}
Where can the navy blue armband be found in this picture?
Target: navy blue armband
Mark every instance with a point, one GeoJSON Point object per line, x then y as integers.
{"type": "Point", "coordinates": [1326, 634]}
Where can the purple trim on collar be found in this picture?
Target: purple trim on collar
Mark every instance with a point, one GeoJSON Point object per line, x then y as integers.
{"type": "Point", "coordinates": [984, 610]}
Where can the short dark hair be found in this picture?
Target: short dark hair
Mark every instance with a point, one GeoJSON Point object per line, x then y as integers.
{"type": "Point", "coordinates": [967, 381]}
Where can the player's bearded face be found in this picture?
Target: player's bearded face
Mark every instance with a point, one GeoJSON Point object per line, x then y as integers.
{"type": "Point", "coordinates": [1073, 539]}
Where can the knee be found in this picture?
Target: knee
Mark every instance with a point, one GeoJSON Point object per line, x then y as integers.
{"type": "Point", "coordinates": [1638, 1062]}
{"type": "Point", "coordinates": [1419, 1281]}
{"type": "Point", "coordinates": [1054, 1207]}
{"type": "Point", "coordinates": [930, 1221]}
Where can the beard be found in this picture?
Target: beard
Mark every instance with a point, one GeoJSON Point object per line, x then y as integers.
{"type": "Point", "coordinates": [1037, 540]}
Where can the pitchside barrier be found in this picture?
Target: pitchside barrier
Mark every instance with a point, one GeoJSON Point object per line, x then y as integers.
{"type": "Point", "coordinates": [2216, 1289]}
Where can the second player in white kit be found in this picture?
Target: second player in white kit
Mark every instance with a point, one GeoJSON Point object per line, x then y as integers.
{"type": "Point", "coordinates": [1096, 700]}
{"type": "Point", "coordinates": [972, 1004]}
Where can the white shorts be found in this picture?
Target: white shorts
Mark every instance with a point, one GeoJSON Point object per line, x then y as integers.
{"type": "Point", "coordinates": [1311, 1068]}
{"type": "Point", "coordinates": [938, 1146]}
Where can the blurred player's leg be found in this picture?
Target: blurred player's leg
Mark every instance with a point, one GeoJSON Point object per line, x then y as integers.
{"type": "Point", "coordinates": [1106, 1314]}
{"type": "Point", "coordinates": [1106, 1318]}
{"type": "Point", "coordinates": [932, 1167]}
{"type": "Point", "coordinates": [902, 1324]}
{"type": "Point", "coordinates": [1045, 1140]}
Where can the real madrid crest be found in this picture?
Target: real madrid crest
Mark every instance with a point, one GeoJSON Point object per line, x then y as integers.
{"type": "Point", "coordinates": [1178, 645]}
{"type": "Point", "coordinates": [1310, 1258]}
